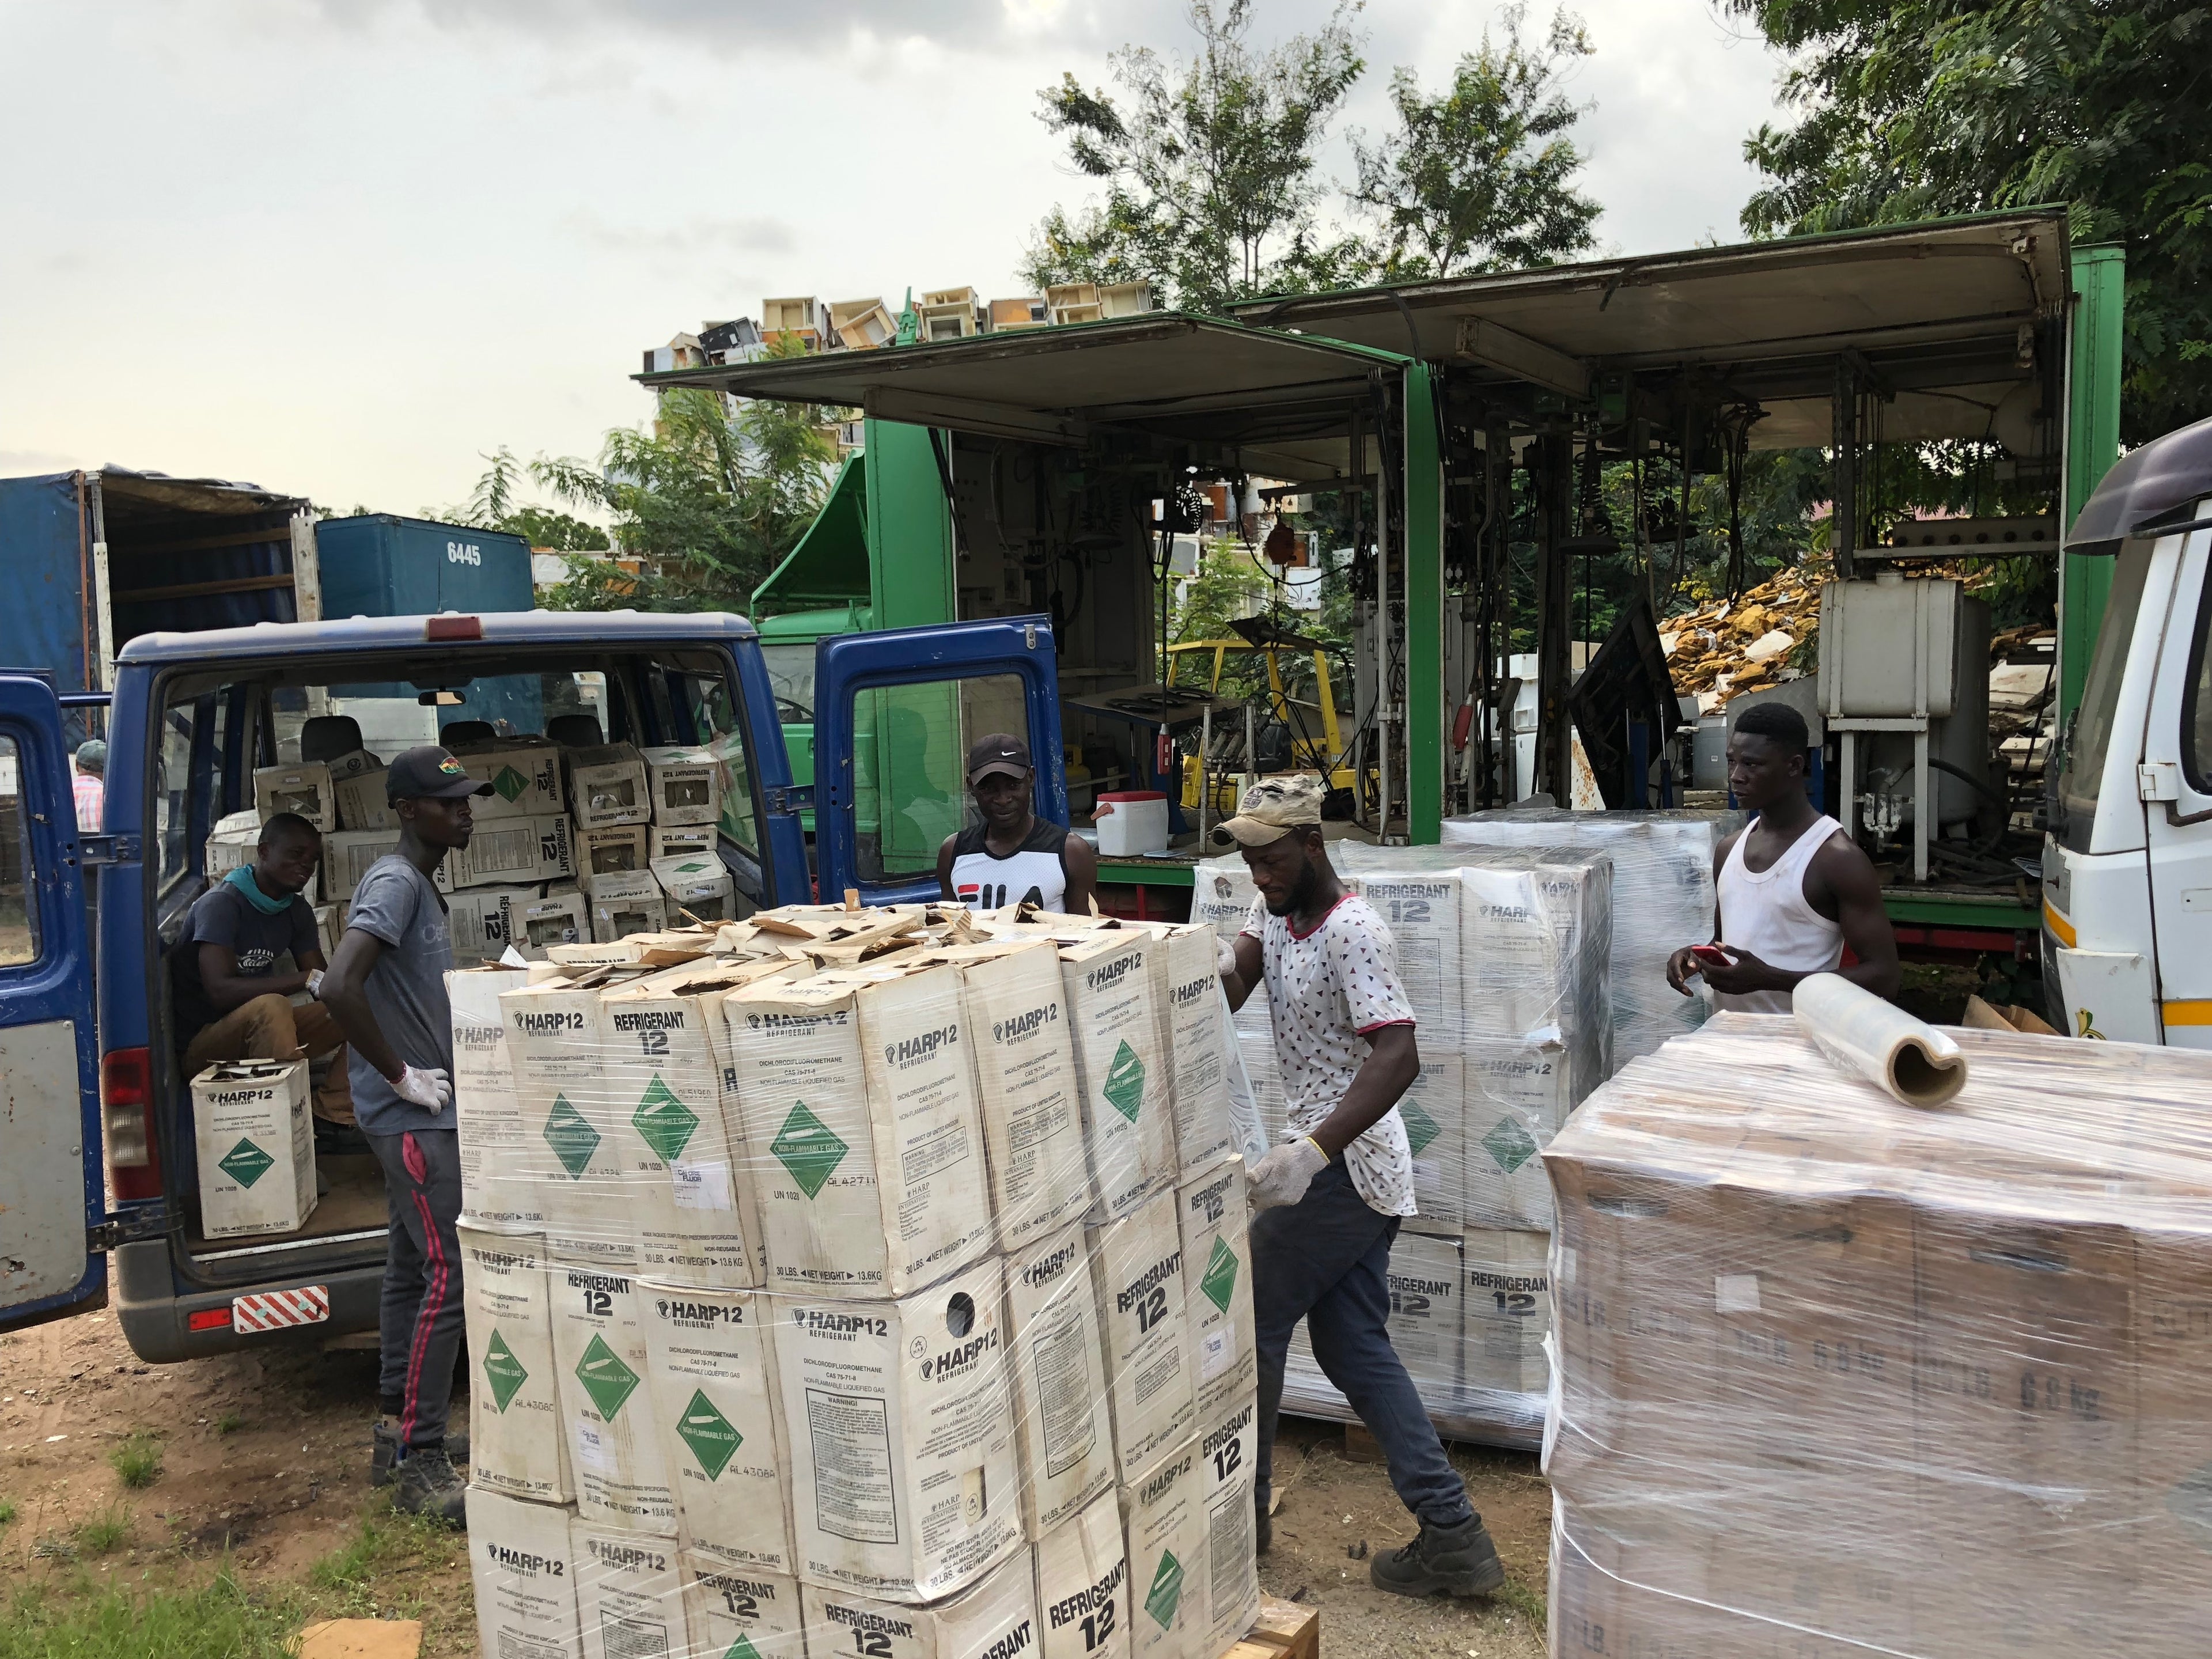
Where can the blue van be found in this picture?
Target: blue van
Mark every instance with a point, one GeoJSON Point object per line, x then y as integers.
{"type": "Point", "coordinates": [90, 1062]}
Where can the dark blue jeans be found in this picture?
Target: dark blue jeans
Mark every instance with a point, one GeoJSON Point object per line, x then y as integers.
{"type": "Point", "coordinates": [1326, 1259]}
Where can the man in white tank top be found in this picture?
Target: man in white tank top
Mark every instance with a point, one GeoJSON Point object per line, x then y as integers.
{"type": "Point", "coordinates": [1009, 855]}
{"type": "Point", "coordinates": [1794, 890]}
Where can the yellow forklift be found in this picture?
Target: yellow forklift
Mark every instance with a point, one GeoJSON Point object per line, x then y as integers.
{"type": "Point", "coordinates": [1226, 753]}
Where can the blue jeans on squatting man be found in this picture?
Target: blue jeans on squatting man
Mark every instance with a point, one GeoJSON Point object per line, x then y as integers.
{"type": "Point", "coordinates": [1326, 1259]}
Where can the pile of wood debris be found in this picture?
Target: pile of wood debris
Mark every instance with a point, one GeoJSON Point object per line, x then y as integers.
{"type": "Point", "coordinates": [1732, 646]}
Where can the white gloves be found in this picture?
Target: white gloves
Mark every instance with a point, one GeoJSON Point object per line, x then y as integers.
{"type": "Point", "coordinates": [315, 983]}
{"type": "Point", "coordinates": [1283, 1174]}
{"type": "Point", "coordinates": [1224, 957]}
{"type": "Point", "coordinates": [426, 1086]}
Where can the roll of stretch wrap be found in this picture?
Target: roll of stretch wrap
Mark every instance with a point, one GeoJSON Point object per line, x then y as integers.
{"type": "Point", "coordinates": [1911, 1060]}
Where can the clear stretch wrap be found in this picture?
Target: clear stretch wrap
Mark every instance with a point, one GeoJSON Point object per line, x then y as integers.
{"type": "Point", "coordinates": [837, 1277]}
{"type": "Point", "coordinates": [1505, 956]}
{"type": "Point", "coordinates": [1839, 1375]}
{"type": "Point", "coordinates": [1662, 898]}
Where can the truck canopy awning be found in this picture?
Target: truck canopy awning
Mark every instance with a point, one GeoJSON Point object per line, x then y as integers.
{"type": "Point", "coordinates": [1270, 402]}
{"type": "Point", "coordinates": [1935, 309]}
{"type": "Point", "coordinates": [829, 565]}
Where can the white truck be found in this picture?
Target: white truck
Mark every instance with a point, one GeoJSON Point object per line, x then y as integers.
{"type": "Point", "coordinates": [2127, 863]}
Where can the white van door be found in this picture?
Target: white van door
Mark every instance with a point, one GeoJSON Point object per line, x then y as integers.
{"type": "Point", "coordinates": [2176, 785]}
{"type": "Point", "coordinates": [50, 1192]}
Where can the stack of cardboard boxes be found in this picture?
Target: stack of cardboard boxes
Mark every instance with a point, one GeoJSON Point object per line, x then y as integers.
{"type": "Point", "coordinates": [572, 844]}
{"type": "Point", "coordinates": [1662, 897]}
{"type": "Point", "coordinates": [1503, 958]}
{"type": "Point", "coordinates": [1839, 1376]}
{"type": "Point", "coordinates": [838, 1282]}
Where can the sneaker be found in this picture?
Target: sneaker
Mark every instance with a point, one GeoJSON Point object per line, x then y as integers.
{"type": "Point", "coordinates": [1263, 1525]}
{"type": "Point", "coordinates": [428, 1484]}
{"type": "Point", "coordinates": [1457, 1560]}
{"type": "Point", "coordinates": [384, 1450]}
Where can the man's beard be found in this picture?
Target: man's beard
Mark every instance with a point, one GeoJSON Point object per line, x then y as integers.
{"type": "Point", "coordinates": [1301, 894]}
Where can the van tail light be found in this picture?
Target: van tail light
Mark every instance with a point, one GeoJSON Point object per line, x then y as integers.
{"type": "Point", "coordinates": [126, 1100]}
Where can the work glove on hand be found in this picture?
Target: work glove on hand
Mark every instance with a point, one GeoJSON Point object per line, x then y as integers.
{"type": "Point", "coordinates": [1283, 1174]}
{"type": "Point", "coordinates": [315, 983]}
{"type": "Point", "coordinates": [426, 1086]}
{"type": "Point", "coordinates": [1224, 957]}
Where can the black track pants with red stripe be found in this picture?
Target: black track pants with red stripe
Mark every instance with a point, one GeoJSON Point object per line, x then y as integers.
{"type": "Point", "coordinates": [422, 1325]}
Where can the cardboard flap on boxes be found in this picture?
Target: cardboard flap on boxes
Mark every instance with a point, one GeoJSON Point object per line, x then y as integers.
{"type": "Point", "coordinates": [524, 773]}
{"type": "Point", "coordinates": [307, 788]}
{"type": "Point", "coordinates": [625, 902]}
{"type": "Point", "coordinates": [685, 785]}
{"type": "Point", "coordinates": [610, 848]}
{"type": "Point", "coordinates": [510, 851]}
{"type": "Point", "coordinates": [606, 785]}
{"type": "Point", "coordinates": [698, 886]}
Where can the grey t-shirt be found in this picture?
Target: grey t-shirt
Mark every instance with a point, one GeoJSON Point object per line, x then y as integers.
{"type": "Point", "coordinates": [406, 990]}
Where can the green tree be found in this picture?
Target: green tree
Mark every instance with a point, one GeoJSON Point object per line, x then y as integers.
{"type": "Point", "coordinates": [1209, 164]}
{"type": "Point", "coordinates": [1480, 177]}
{"type": "Point", "coordinates": [708, 501]}
{"type": "Point", "coordinates": [1907, 109]}
{"type": "Point", "coordinates": [492, 505]}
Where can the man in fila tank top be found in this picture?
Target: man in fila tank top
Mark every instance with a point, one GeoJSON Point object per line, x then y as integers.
{"type": "Point", "coordinates": [1013, 854]}
{"type": "Point", "coordinates": [1794, 890]}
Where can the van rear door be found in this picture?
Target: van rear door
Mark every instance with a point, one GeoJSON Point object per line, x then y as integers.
{"type": "Point", "coordinates": [51, 1192]}
{"type": "Point", "coordinates": [894, 714]}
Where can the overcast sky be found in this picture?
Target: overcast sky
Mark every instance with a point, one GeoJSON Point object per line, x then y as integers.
{"type": "Point", "coordinates": [337, 247]}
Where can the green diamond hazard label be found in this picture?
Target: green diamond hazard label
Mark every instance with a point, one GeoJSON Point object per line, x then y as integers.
{"type": "Point", "coordinates": [1219, 1280]}
{"type": "Point", "coordinates": [605, 1378]}
{"type": "Point", "coordinates": [1125, 1082]}
{"type": "Point", "coordinates": [666, 1122]}
{"type": "Point", "coordinates": [1421, 1127]}
{"type": "Point", "coordinates": [509, 782]}
{"type": "Point", "coordinates": [713, 1439]}
{"type": "Point", "coordinates": [246, 1164]}
{"type": "Point", "coordinates": [1509, 1144]}
{"type": "Point", "coordinates": [572, 1139]}
{"type": "Point", "coordinates": [809, 1148]}
{"type": "Point", "coordinates": [503, 1371]}
{"type": "Point", "coordinates": [1166, 1591]}
{"type": "Point", "coordinates": [743, 1648]}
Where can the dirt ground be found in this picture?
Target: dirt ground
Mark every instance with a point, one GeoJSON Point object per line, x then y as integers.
{"type": "Point", "coordinates": [264, 1461]}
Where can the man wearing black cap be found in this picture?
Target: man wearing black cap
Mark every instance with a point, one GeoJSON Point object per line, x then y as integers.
{"type": "Point", "coordinates": [386, 987]}
{"type": "Point", "coordinates": [1014, 855]}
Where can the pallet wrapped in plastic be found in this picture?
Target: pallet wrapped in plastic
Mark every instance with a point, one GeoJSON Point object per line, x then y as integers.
{"type": "Point", "coordinates": [1506, 955]}
{"type": "Point", "coordinates": [796, 1285]}
{"type": "Point", "coordinates": [1838, 1376]}
{"type": "Point", "coordinates": [1664, 898]}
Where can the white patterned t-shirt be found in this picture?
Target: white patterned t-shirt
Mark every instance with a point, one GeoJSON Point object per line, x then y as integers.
{"type": "Point", "coordinates": [1327, 990]}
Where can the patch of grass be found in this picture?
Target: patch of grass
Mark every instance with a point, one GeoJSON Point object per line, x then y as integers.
{"type": "Point", "coordinates": [104, 1532]}
{"type": "Point", "coordinates": [218, 1619]}
{"type": "Point", "coordinates": [229, 1423]}
{"type": "Point", "coordinates": [368, 1575]}
{"type": "Point", "coordinates": [1525, 1601]}
{"type": "Point", "coordinates": [137, 1460]}
{"type": "Point", "coordinates": [7, 1511]}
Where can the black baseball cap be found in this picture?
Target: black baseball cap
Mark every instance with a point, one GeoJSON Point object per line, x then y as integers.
{"type": "Point", "coordinates": [1001, 752]}
{"type": "Point", "coordinates": [430, 773]}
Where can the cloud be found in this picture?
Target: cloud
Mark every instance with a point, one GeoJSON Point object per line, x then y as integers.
{"type": "Point", "coordinates": [720, 27]}
{"type": "Point", "coordinates": [692, 237]}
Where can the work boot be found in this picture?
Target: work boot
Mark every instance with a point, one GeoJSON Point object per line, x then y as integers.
{"type": "Point", "coordinates": [427, 1484]}
{"type": "Point", "coordinates": [383, 1451]}
{"type": "Point", "coordinates": [1263, 1524]}
{"type": "Point", "coordinates": [1457, 1560]}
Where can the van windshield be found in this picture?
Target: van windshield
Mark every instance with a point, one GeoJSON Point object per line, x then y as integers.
{"type": "Point", "coordinates": [2100, 697]}
{"type": "Point", "coordinates": [790, 671]}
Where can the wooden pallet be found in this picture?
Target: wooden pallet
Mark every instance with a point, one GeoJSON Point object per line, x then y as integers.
{"type": "Point", "coordinates": [1284, 1630]}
